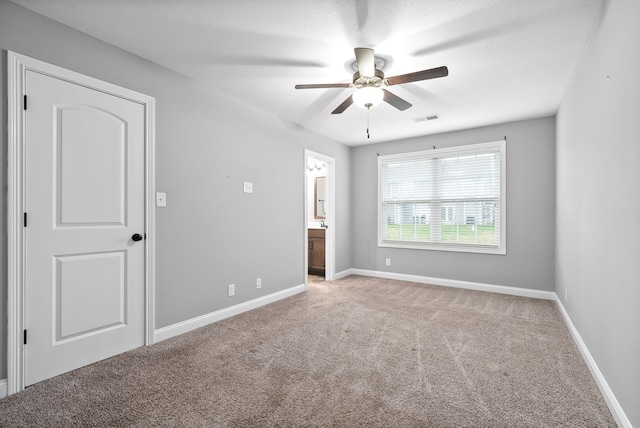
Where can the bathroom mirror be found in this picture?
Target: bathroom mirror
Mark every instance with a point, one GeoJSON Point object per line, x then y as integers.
{"type": "Point", "coordinates": [320, 193]}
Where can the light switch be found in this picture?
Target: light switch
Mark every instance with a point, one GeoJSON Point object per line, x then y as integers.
{"type": "Point", "coordinates": [161, 199]}
{"type": "Point", "coordinates": [248, 187]}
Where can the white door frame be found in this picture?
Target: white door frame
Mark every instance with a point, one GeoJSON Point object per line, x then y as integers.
{"type": "Point", "coordinates": [330, 236]}
{"type": "Point", "coordinates": [18, 65]}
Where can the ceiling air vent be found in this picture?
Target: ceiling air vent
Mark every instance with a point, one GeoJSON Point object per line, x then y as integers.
{"type": "Point", "coordinates": [426, 118]}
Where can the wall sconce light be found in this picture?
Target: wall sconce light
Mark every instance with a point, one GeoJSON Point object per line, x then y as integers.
{"type": "Point", "coordinates": [316, 166]}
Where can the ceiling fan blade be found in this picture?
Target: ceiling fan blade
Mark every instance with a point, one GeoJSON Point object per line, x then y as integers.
{"type": "Point", "coordinates": [366, 62]}
{"type": "Point", "coordinates": [324, 85]}
{"type": "Point", "coordinates": [395, 100]}
{"type": "Point", "coordinates": [418, 75]}
{"type": "Point", "coordinates": [342, 107]}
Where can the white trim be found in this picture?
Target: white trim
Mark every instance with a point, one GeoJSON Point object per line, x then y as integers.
{"type": "Point", "coordinates": [305, 224]}
{"type": "Point", "coordinates": [467, 285]}
{"type": "Point", "coordinates": [459, 248]}
{"type": "Point", "coordinates": [3, 388]}
{"type": "Point", "coordinates": [203, 320]}
{"type": "Point", "coordinates": [607, 393]}
{"type": "Point", "coordinates": [15, 253]}
{"type": "Point", "coordinates": [343, 274]}
{"type": "Point", "coordinates": [17, 66]}
{"type": "Point", "coordinates": [150, 219]}
{"type": "Point", "coordinates": [330, 258]}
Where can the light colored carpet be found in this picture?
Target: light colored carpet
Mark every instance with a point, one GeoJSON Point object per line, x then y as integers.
{"type": "Point", "coordinates": [349, 353]}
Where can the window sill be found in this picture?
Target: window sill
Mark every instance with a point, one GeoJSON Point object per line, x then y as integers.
{"type": "Point", "coordinates": [444, 247]}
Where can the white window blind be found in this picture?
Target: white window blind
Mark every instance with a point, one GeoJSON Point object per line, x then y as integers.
{"type": "Point", "coordinates": [448, 199]}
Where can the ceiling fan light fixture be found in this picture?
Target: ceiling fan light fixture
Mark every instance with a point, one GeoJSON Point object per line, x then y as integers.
{"type": "Point", "coordinates": [367, 97]}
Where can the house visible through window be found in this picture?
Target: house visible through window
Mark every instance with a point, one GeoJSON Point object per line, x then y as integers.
{"type": "Point", "coordinates": [449, 199]}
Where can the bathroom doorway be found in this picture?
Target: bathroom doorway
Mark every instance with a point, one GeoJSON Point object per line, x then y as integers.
{"type": "Point", "coordinates": [319, 217]}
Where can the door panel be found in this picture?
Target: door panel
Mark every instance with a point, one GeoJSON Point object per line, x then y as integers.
{"type": "Point", "coordinates": [84, 184]}
{"type": "Point", "coordinates": [90, 144]}
{"type": "Point", "coordinates": [90, 294]}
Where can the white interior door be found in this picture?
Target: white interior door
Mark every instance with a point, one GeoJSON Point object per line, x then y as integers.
{"type": "Point", "coordinates": [85, 199]}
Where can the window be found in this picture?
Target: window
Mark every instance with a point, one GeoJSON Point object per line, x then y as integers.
{"type": "Point", "coordinates": [449, 199]}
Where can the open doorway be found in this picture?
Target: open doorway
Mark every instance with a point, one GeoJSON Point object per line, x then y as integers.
{"type": "Point", "coordinates": [319, 217]}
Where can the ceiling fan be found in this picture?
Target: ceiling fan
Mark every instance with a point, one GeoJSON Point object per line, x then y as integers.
{"type": "Point", "coordinates": [370, 81]}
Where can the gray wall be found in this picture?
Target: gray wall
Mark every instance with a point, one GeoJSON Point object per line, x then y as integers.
{"type": "Point", "coordinates": [211, 234]}
{"type": "Point", "coordinates": [529, 262]}
{"type": "Point", "coordinates": [598, 200]}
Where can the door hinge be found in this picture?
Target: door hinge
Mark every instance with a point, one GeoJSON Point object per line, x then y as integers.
{"type": "Point", "coordinates": [24, 334]}
{"type": "Point", "coordinates": [25, 102]}
{"type": "Point", "coordinates": [25, 220]}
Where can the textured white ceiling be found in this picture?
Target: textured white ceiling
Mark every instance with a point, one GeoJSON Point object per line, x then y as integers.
{"type": "Point", "coordinates": [508, 59]}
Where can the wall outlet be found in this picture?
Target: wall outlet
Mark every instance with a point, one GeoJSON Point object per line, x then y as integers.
{"type": "Point", "coordinates": [259, 283]}
{"type": "Point", "coordinates": [248, 187]}
{"type": "Point", "coordinates": [388, 261]}
{"type": "Point", "coordinates": [231, 289]}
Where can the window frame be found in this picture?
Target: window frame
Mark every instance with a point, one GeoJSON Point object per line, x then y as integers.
{"type": "Point", "coordinates": [500, 249]}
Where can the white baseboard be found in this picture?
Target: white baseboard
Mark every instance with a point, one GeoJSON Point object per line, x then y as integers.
{"type": "Point", "coordinates": [188, 325]}
{"type": "Point", "coordinates": [607, 393]}
{"type": "Point", "coordinates": [514, 291]}
{"type": "Point", "coordinates": [3, 388]}
{"type": "Point", "coordinates": [343, 274]}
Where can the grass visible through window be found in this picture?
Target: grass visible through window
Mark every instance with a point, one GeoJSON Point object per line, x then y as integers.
{"type": "Point", "coordinates": [453, 233]}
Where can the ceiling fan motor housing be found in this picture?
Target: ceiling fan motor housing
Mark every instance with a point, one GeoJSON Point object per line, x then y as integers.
{"type": "Point", "coordinates": [368, 81]}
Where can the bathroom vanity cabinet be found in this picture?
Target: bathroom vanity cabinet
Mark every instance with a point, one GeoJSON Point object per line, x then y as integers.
{"type": "Point", "coordinates": [317, 251]}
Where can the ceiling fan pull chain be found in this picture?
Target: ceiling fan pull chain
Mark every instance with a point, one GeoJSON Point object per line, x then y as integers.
{"type": "Point", "coordinates": [368, 111]}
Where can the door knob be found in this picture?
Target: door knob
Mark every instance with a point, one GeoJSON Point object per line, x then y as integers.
{"type": "Point", "coordinates": [136, 237]}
